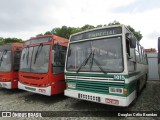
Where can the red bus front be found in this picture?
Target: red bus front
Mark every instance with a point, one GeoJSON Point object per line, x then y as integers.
{"type": "Point", "coordinates": [42, 65]}
{"type": "Point", "coordinates": [9, 65]}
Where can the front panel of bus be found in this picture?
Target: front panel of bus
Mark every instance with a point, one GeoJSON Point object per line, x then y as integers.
{"type": "Point", "coordinates": [95, 66]}
{"type": "Point", "coordinates": [6, 69]}
{"type": "Point", "coordinates": [36, 70]}
{"type": "Point", "coordinates": [9, 66]}
{"type": "Point", "coordinates": [101, 66]}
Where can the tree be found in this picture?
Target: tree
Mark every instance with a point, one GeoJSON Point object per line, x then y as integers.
{"type": "Point", "coordinates": [10, 40]}
{"type": "Point", "coordinates": [65, 31]}
{"type": "Point", "coordinates": [39, 34]}
{"type": "Point", "coordinates": [137, 34]}
{"type": "Point", "coordinates": [1, 41]}
{"type": "Point", "coordinates": [87, 27]}
{"type": "Point", "coordinates": [114, 23]}
{"type": "Point", "coordinates": [48, 33]}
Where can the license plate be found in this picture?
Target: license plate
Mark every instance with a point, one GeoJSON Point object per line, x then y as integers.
{"type": "Point", "coordinates": [89, 97]}
{"type": "Point", "coordinates": [29, 88]}
{"type": "Point", "coordinates": [112, 101]}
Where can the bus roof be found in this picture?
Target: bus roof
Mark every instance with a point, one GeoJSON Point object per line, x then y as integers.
{"type": "Point", "coordinates": [121, 25]}
{"type": "Point", "coordinates": [9, 46]}
{"type": "Point", "coordinates": [57, 39]}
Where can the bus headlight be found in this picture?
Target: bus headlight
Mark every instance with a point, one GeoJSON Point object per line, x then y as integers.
{"type": "Point", "coordinates": [71, 85]}
{"type": "Point", "coordinates": [116, 90]}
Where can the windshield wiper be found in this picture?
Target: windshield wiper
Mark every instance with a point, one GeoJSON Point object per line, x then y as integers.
{"type": "Point", "coordinates": [1, 59]}
{"type": "Point", "coordinates": [100, 67]}
{"type": "Point", "coordinates": [38, 50]}
{"type": "Point", "coordinates": [97, 63]}
{"type": "Point", "coordinates": [84, 62]}
{"type": "Point", "coordinates": [92, 58]}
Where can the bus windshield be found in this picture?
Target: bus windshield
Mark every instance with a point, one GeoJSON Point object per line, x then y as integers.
{"type": "Point", "coordinates": [5, 61]}
{"type": "Point", "coordinates": [101, 55]}
{"type": "Point", "coordinates": [35, 59]}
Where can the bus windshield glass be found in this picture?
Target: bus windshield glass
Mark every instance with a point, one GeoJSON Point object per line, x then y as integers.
{"type": "Point", "coordinates": [101, 55]}
{"type": "Point", "coordinates": [35, 59]}
{"type": "Point", "coordinates": [5, 61]}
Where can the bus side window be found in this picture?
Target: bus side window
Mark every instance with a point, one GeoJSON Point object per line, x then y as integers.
{"type": "Point", "coordinates": [17, 56]}
{"type": "Point", "coordinates": [137, 53]}
{"type": "Point", "coordinates": [58, 58]}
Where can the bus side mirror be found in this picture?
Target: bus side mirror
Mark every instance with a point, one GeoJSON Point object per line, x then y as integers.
{"type": "Point", "coordinates": [132, 40]}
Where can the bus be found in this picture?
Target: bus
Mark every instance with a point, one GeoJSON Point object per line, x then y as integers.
{"type": "Point", "coordinates": [9, 64]}
{"type": "Point", "coordinates": [159, 56]}
{"type": "Point", "coordinates": [105, 65]}
{"type": "Point", "coordinates": [42, 65]}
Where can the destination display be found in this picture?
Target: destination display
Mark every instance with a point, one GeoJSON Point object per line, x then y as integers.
{"type": "Point", "coordinates": [38, 40]}
{"type": "Point", "coordinates": [97, 33]}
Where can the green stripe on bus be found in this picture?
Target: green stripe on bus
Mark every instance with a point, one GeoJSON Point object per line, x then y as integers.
{"type": "Point", "coordinates": [101, 75]}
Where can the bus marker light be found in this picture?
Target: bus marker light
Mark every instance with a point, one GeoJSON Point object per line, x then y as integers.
{"type": "Point", "coordinates": [112, 101]}
{"type": "Point", "coordinates": [125, 91]}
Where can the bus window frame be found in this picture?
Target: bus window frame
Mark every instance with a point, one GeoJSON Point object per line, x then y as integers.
{"type": "Point", "coordinates": [99, 38]}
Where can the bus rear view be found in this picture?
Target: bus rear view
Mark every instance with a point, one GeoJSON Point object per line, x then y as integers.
{"type": "Point", "coordinates": [42, 65]}
{"type": "Point", "coordinates": [9, 65]}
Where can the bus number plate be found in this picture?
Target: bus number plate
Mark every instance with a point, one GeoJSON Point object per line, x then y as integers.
{"type": "Point", "coordinates": [119, 77]}
{"type": "Point", "coordinates": [89, 97]}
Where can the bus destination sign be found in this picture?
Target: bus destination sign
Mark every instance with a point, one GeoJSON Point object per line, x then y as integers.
{"type": "Point", "coordinates": [97, 33]}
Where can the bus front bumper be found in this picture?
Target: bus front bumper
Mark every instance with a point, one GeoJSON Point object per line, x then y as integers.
{"type": "Point", "coordinates": [101, 98]}
{"type": "Point", "coordinates": [39, 90]}
{"type": "Point", "coordinates": [6, 85]}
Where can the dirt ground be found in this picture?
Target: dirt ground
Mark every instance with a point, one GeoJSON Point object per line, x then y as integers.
{"type": "Point", "coordinates": [19, 100]}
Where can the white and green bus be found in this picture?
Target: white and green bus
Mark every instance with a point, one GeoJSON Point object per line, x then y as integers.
{"type": "Point", "coordinates": [105, 65]}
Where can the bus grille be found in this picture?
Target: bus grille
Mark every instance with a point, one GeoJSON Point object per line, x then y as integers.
{"type": "Point", "coordinates": [95, 86]}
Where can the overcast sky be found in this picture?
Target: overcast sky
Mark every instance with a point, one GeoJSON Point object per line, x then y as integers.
{"type": "Point", "coordinates": [27, 18]}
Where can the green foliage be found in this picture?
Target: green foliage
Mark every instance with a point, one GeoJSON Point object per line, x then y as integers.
{"type": "Point", "coordinates": [137, 34]}
{"type": "Point", "coordinates": [114, 23]}
{"type": "Point", "coordinates": [87, 27]}
{"type": "Point", "coordinates": [65, 31]}
{"type": "Point", "coordinates": [48, 33]}
{"type": "Point", "coordinates": [10, 40]}
{"type": "Point", "coordinates": [39, 34]}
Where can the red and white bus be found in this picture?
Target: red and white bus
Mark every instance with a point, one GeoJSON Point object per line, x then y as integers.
{"type": "Point", "coordinates": [42, 65]}
{"type": "Point", "coordinates": [9, 64]}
